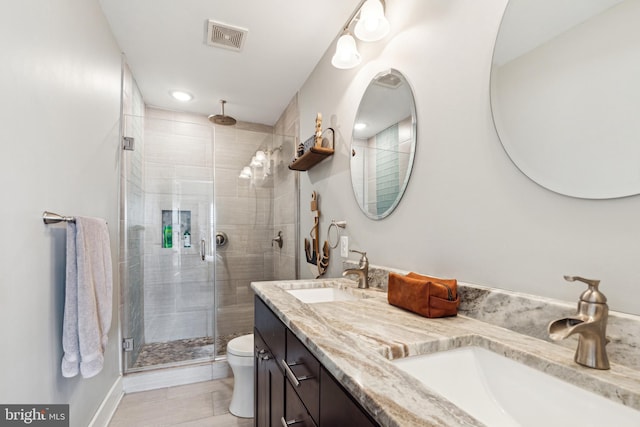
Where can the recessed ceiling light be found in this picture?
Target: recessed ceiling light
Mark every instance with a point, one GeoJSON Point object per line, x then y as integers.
{"type": "Point", "coordinates": [359, 126]}
{"type": "Point", "coordinates": [181, 95]}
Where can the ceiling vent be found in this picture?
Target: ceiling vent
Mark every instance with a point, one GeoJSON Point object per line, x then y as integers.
{"type": "Point", "coordinates": [389, 79]}
{"type": "Point", "coordinates": [225, 36]}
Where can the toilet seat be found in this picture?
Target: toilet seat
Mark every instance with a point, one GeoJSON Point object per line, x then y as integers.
{"type": "Point", "coordinates": [241, 346]}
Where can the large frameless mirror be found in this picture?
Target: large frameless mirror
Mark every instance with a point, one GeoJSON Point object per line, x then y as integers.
{"type": "Point", "coordinates": [565, 94]}
{"type": "Point", "coordinates": [383, 144]}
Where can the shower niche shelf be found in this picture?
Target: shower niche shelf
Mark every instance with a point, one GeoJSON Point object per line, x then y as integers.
{"type": "Point", "coordinates": [176, 229]}
{"type": "Point", "coordinates": [315, 154]}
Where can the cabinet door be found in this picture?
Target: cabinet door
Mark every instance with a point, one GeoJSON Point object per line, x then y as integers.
{"type": "Point", "coordinates": [336, 406]}
{"type": "Point", "coordinates": [269, 386]}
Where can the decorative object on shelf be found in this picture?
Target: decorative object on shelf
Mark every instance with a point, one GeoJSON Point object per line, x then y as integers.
{"type": "Point", "coordinates": [318, 263]}
{"type": "Point", "coordinates": [318, 134]}
{"type": "Point", "coordinates": [315, 149]}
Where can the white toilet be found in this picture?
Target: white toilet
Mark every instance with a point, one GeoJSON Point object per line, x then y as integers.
{"type": "Point", "coordinates": [240, 358]}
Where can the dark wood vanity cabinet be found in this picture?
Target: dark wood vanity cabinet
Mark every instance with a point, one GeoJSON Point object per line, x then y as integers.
{"type": "Point", "coordinates": [291, 386]}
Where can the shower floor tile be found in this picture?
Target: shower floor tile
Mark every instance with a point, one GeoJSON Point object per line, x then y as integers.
{"type": "Point", "coordinates": [170, 352]}
{"type": "Point", "coordinates": [175, 351]}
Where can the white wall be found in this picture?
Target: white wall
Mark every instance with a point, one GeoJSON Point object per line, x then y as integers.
{"type": "Point", "coordinates": [60, 105]}
{"type": "Point", "coordinates": [468, 212]}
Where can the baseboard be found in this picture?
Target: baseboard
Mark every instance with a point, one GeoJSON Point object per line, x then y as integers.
{"type": "Point", "coordinates": [109, 405]}
{"type": "Point", "coordinates": [170, 377]}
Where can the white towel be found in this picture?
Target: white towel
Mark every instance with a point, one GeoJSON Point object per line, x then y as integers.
{"type": "Point", "coordinates": [88, 298]}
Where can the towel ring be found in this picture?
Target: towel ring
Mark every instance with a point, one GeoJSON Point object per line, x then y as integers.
{"type": "Point", "coordinates": [335, 224]}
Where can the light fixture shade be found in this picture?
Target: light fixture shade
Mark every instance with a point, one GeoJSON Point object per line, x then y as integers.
{"type": "Point", "coordinates": [372, 25]}
{"type": "Point", "coordinates": [246, 172]}
{"type": "Point", "coordinates": [347, 55]}
{"type": "Point", "coordinates": [261, 156]}
{"type": "Point", "coordinates": [255, 163]}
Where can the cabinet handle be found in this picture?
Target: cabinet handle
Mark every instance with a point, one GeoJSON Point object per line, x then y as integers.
{"type": "Point", "coordinates": [292, 377]}
{"type": "Point", "coordinates": [286, 423]}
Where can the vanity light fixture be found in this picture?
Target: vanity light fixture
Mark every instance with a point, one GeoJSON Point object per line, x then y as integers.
{"type": "Point", "coordinates": [347, 55]}
{"type": "Point", "coordinates": [371, 25]}
{"type": "Point", "coordinates": [181, 95]}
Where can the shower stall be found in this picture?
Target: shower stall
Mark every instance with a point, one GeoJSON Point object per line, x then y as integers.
{"type": "Point", "coordinates": [195, 234]}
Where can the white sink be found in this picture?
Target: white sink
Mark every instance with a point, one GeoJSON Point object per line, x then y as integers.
{"type": "Point", "coordinates": [315, 295]}
{"type": "Point", "coordinates": [502, 392]}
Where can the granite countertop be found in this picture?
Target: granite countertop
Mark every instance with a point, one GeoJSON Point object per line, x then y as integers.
{"type": "Point", "coordinates": [355, 341]}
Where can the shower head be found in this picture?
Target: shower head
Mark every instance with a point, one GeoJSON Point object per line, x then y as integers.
{"type": "Point", "coordinates": [221, 119]}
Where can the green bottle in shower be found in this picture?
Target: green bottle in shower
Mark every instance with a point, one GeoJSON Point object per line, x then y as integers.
{"type": "Point", "coordinates": [167, 236]}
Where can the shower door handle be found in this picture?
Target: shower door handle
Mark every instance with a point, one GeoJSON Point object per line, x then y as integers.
{"type": "Point", "coordinates": [203, 249]}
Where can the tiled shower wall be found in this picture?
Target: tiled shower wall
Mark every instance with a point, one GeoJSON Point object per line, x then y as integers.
{"type": "Point", "coordinates": [285, 197]}
{"type": "Point", "coordinates": [178, 293]}
{"type": "Point", "coordinates": [132, 218]}
{"type": "Point", "coordinates": [379, 168]}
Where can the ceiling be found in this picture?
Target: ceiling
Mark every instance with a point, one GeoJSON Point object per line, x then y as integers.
{"type": "Point", "coordinates": [164, 45]}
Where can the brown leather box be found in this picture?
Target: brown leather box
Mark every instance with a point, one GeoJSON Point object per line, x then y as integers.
{"type": "Point", "coordinates": [424, 295]}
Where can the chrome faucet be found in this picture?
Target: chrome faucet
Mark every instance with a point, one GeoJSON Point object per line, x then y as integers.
{"type": "Point", "coordinates": [590, 323]}
{"type": "Point", "coordinates": [362, 271]}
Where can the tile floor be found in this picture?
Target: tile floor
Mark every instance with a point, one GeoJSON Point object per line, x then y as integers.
{"type": "Point", "coordinates": [194, 405]}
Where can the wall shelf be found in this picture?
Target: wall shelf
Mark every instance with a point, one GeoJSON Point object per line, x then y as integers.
{"type": "Point", "coordinates": [315, 154]}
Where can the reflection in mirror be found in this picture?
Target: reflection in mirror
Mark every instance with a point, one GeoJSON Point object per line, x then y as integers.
{"type": "Point", "coordinates": [565, 94]}
{"type": "Point", "coordinates": [383, 144]}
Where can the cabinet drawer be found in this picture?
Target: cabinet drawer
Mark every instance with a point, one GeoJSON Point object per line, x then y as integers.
{"type": "Point", "coordinates": [303, 372]}
{"type": "Point", "coordinates": [270, 328]}
{"type": "Point", "coordinates": [295, 413]}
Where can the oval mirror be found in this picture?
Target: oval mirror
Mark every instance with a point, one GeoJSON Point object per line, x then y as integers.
{"type": "Point", "coordinates": [383, 144]}
{"type": "Point", "coordinates": [565, 95]}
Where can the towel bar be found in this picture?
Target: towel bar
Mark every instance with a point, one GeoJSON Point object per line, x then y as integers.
{"type": "Point", "coordinates": [52, 218]}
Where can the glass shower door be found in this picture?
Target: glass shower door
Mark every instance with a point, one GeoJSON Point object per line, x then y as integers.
{"type": "Point", "coordinates": [167, 279]}
{"type": "Point", "coordinates": [182, 186]}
